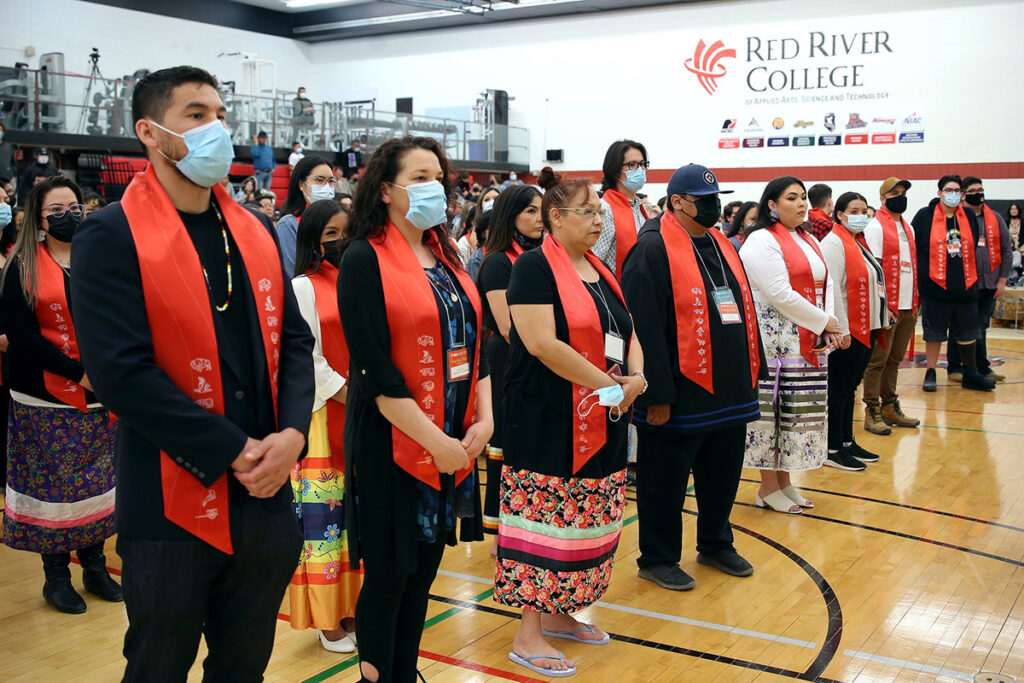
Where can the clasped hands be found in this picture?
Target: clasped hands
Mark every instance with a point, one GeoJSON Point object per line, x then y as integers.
{"type": "Point", "coordinates": [265, 465]}
{"type": "Point", "coordinates": [452, 455]}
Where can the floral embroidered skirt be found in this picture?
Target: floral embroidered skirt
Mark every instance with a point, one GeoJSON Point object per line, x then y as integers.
{"type": "Point", "coordinates": [324, 588]}
{"type": "Point", "coordinates": [791, 435]}
{"type": "Point", "coordinates": [557, 539]}
{"type": "Point", "coordinates": [60, 479]}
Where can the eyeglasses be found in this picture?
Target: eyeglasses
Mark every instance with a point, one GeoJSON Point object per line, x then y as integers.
{"type": "Point", "coordinates": [57, 211]}
{"type": "Point", "coordinates": [981, 192]}
{"type": "Point", "coordinates": [633, 165]}
{"type": "Point", "coordinates": [320, 180]}
{"type": "Point", "coordinates": [587, 212]}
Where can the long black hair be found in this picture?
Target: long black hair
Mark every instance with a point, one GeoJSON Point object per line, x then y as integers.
{"type": "Point", "coordinates": [370, 213]}
{"type": "Point", "coordinates": [1020, 211]}
{"type": "Point", "coordinates": [772, 191]}
{"type": "Point", "coordinates": [507, 207]}
{"type": "Point", "coordinates": [613, 160]}
{"type": "Point", "coordinates": [295, 200]}
{"type": "Point", "coordinates": [737, 225]}
{"type": "Point", "coordinates": [844, 201]}
{"type": "Point", "coordinates": [311, 228]}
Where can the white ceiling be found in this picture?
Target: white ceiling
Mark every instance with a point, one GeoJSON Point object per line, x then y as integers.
{"type": "Point", "coordinates": [302, 5]}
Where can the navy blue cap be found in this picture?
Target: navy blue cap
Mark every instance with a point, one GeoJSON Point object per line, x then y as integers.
{"type": "Point", "coordinates": [694, 179]}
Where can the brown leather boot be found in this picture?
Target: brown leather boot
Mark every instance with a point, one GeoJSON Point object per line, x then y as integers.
{"type": "Point", "coordinates": [873, 421]}
{"type": "Point", "coordinates": [893, 415]}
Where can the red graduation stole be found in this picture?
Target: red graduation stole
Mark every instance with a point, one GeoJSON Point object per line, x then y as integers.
{"type": "Point", "coordinates": [55, 325]}
{"type": "Point", "coordinates": [801, 279]}
{"type": "Point", "coordinates": [335, 350]}
{"type": "Point", "coordinates": [514, 252]}
{"type": "Point", "coordinates": [586, 337]}
{"type": "Point", "coordinates": [890, 261]}
{"type": "Point", "coordinates": [691, 303]}
{"type": "Point", "coordinates": [180, 316]}
{"type": "Point", "coordinates": [416, 347]}
{"type": "Point", "coordinates": [858, 298]}
{"type": "Point", "coordinates": [992, 238]}
{"type": "Point", "coordinates": [937, 247]}
{"type": "Point", "coordinates": [625, 226]}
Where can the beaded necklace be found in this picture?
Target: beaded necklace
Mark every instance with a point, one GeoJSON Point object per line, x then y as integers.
{"type": "Point", "coordinates": [227, 253]}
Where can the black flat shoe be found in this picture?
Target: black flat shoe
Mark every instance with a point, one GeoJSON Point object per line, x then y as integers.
{"type": "Point", "coordinates": [929, 380]}
{"type": "Point", "coordinates": [728, 561]}
{"type": "Point", "coordinates": [668, 576]}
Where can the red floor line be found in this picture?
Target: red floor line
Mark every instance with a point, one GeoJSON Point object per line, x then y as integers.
{"type": "Point", "coordinates": [463, 664]}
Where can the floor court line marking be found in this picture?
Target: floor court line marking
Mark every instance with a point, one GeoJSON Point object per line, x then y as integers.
{"type": "Point", "coordinates": [665, 617]}
{"type": "Point", "coordinates": [900, 505]}
{"type": "Point", "coordinates": [909, 665]}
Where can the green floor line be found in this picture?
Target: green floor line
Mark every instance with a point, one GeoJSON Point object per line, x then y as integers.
{"type": "Point", "coordinates": [354, 659]}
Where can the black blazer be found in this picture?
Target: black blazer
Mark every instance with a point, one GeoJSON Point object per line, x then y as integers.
{"type": "Point", "coordinates": [153, 414]}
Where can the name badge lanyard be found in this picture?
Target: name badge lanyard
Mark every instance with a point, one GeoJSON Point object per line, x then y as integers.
{"type": "Point", "coordinates": [725, 302]}
{"type": "Point", "coordinates": [614, 344]}
{"type": "Point", "coordinates": [458, 355]}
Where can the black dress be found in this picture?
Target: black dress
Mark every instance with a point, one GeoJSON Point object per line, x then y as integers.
{"type": "Point", "coordinates": [382, 499]}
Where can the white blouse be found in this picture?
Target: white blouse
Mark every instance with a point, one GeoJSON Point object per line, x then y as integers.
{"type": "Point", "coordinates": [328, 380]}
{"type": "Point", "coordinates": [769, 280]}
{"type": "Point", "coordinates": [835, 255]}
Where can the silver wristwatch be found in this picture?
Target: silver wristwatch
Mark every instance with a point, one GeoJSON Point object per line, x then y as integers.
{"type": "Point", "coordinates": [644, 378]}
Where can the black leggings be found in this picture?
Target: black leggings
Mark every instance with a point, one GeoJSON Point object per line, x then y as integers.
{"type": "Point", "coordinates": [390, 615]}
{"type": "Point", "coordinates": [845, 370]}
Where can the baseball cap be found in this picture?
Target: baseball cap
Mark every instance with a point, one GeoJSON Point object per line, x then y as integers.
{"type": "Point", "coordinates": [892, 182]}
{"type": "Point", "coordinates": [694, 179]}
{"type": "Point", "coordinates": [262, 134]}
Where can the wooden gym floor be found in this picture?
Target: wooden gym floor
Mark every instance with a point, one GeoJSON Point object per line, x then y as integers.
{"type": "Point", "coordinates": [908, 571]}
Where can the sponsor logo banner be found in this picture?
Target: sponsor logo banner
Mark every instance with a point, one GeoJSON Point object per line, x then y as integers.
{"type": "Point", "coordinates": [883, 138]}
{"type": "Point", "coordinates": [912, 137]}
{"type": "Point", "coordinates": [753, 142]}
{"type": "Point", "coordinates": [830, 140]}
{"type": "Point", "coordinates": [729, 143]}
{"type": "Point", "coordinates": [778, 142]}
{"type": "Point", "coordinates": [803, 141]}
{"type": "Point", "coordinates": [856, 139]}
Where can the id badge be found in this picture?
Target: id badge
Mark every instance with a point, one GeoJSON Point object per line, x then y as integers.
{"type": "Point", "coordinates": [905, 266]}
{"type": "Point", "coordinates": [614, 348]}
{"type": "Point", "coordinates": [458, 364]}
{"type": "Point", "coordinates": [953, 248]}
{"type": "Point", "coordinates": [881, 290]}
{"type": "Point", "coordinates": [981, 241]}
{"type": "Point", "coordinates": [728, 311]}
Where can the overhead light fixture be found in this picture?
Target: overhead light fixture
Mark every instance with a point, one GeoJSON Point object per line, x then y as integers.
{"type": "Point", "coordinates": [417, 16]}
{"type": "Point", "coordinates": [302, 4]}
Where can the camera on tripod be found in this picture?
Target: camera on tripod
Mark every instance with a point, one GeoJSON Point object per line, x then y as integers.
{"type": "Point", "coordinates": [94, 56]}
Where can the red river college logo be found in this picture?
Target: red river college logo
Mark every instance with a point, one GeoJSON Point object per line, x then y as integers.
{"type": "Point", "coordinates": [705, 64]}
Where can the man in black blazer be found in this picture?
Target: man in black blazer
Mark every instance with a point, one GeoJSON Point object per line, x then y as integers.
{"type": "Point", "coordinates": [177, 586]}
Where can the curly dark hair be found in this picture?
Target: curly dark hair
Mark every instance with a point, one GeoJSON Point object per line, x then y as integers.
{"type": "Point", "coordinates": [370, 213]}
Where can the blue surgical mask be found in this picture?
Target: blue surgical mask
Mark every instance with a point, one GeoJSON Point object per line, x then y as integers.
{"type": "Point", "coordinates": [606, 396]}
{"type": "Point", "coordinates": [428, 205]}
{"type": "Point", "coordinates": [856, 223]}
{"type": "Point", "coordinates": [318, 192]}
{"type": "Point", "coordinates": [209, 156]}
{"type": "Point", "coordinates": [635, 179]}
{"type": "Point", "coordinates": [951, 199]}
{"type": "Point", "coordinates": [5, 214]}
{"type": "Point", "coordinates": [488, 205]}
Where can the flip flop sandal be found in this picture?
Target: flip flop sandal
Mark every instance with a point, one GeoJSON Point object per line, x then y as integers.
{"type": "Point", "coordinates": [554, 673]}
{"type": "Point", "coordinates": [571, 635]}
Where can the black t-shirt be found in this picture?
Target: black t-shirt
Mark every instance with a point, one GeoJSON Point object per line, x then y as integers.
{"type": "Point", "coordinates": [539, 409]}
{"type": "Point", "coordinates": [205, 231]}
{"type": "Point", "coordinates": [647, 284]}
{"type": "Point", "coordinates": [495, 272]}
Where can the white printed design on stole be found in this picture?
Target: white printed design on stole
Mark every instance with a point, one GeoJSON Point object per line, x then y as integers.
{"type": "Point", "coordinates": [69, 386]}
{"type": "Point", "coordinates": [269, 306]}
{"type": "Point", "coordinates": [698, 314]}
{"type": "Point", "coordinates": [210, 513]}
{"type": "Point", "coordinates": [426, 340]}
{"type": "Point", "coordinates": [202, 386]}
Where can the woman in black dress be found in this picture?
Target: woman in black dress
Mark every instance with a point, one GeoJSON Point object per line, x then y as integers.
{"type": "Point", "coordinates": [515, 227]}
{"type": "Point", "coordinates": [419, 408]}
{"type": "Point", "coordinates": [572, 353]}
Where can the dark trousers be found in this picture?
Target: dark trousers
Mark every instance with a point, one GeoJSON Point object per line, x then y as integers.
{"type": "Point", "coordinates": [663, 465]}
{"type": "Point", "coordinates": [845, 370]}
{"type": "Point", "coordinates": [390, 614]}
{"type": "Point", "coordinates": [986, 307]}
{"type": "Point", "coordinates": [175, 591]}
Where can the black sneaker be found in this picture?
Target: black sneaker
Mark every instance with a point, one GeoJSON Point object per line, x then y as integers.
{"type": "Point", "coordinates": [668, 576]}
{"type": "Point", "coordinates": [728, 561]}
{"type": "Point", "coordinates": [842, 460]}
{"type": "Point", "coordinates": [929, 380]}
{"type": "Point", "coordinates": [861, 454]}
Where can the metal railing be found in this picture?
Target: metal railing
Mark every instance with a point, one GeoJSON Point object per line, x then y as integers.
{"type": "Point", "coordinates": [43, 101]}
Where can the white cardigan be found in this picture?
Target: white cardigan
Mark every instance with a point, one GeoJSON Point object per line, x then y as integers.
{"type": "Point", "coordinates": [769, 280]}
{"type": "Point", "coordinates": [835, 256]}
{"type": "Point", "coordinates": [328, 381]}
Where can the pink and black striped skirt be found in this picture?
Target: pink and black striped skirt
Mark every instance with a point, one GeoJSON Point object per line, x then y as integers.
{"type": "Point", "coordinates": [557, 539]}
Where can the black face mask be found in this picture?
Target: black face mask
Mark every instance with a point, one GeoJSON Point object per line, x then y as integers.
{"type": "Point", "coordinates": [709, 209]}
{"type": "Point", "coordinates": [61, 229]}
{"type": "Point", "coordinates": [527, 243]}
{"type": "Point", "coordinates": [332, 252]}
{"type": "Point", "coordinates": [975, 199]}
{"type": "Point", "coordinates": [896, 204]}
